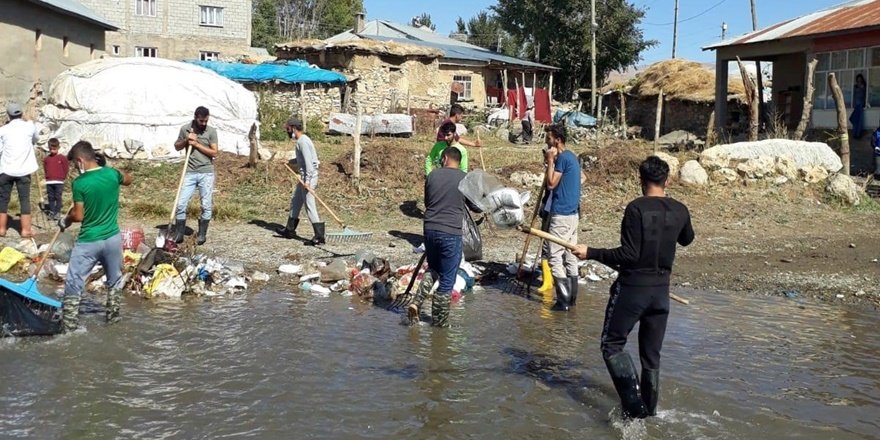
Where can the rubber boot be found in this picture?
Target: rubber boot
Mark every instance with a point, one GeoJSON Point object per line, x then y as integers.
{"type": "Point", "coordinates": [70, 313]}
{"type": "Point", "coordinates": [26, 231]}
{"type": "Point", "coordinates": [289, 231]}
{"type": "Point", "coordinates": [319, 235]}
{"type": "Point", "coordinates": [424, 289]}
{"type": "Point", "coordinates": [573, 283]}
{"type": "Point", "coordinates": [179, 230]}
{"type": "Point", "coordinates": [440, 309]}
{"type": "Point", "coordinates": [563, 295]}
{"type": "Point", "coordinates": [203, 232]}
{"type": "Point", "coordinates": [650, 390]}
{"type": "Point", "coordinates": [114, 297]}
{"type": "Point", "coordinates": [626, 382]}
{"type": "Point", "coordinates": [3, 218]}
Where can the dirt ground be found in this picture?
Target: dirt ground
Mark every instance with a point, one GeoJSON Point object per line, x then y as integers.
{"type": "Point", "coordinates": [751, 239]}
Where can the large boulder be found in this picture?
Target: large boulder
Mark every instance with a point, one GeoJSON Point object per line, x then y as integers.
{"type": "Point", "coordinates": [671, 161]}
{"type": "Point", "coordinates": [693, 174]}
{"type": "Point", "coordinates": [526, 179]}
{"type": "Point", "coordinates": [843, 187]}
{"type": "Point", "coordinates": [786, 167]}
{"type": "Point", "coordinates": [757, 168]}
{"type": "Point", "coordinates": [715, 162]}
{"type": "Point", "coordinates": [803, 154]}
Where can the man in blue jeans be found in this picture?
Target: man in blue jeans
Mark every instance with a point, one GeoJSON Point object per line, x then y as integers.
{"type": "Point", "coordinates": [444, 215]}
{"type": "Point", "coordinates": [199, 172]}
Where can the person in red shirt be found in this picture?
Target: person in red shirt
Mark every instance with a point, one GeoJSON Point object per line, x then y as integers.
{"type": "Point", "coordinates": [56, 167]}
{"type": "Point", "coordinates": [456, 113]}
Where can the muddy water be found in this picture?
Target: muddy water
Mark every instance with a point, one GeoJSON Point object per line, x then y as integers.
{"type": "Point", "coordinates": [278, 365]}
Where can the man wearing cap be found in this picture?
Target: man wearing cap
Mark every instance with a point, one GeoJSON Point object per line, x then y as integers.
{"type": "Point", "coordinates": [17, 162]}
{"type": "Point", "coordinates": [307, 160]}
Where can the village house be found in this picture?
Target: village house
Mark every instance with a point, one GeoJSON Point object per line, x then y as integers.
{"type": "Point", "coordinates": [42, 38]}
{"type": "Point", "coordinates": [177, 29]}
{"type": "Point", "coordinates": [391, 64]}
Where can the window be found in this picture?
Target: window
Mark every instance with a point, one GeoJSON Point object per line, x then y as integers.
{"type": "Point", "coordinates": [847, 65]}
{"type": "Point", "coordinates": [65, 47]}
{"type": "Point", "coordinates": [209, 56]}
{"type": "Point", "coordinates": [465, 81]}
{"type": "Point", "coordinates": [210, 16]}
{"type": "Point", "coordinates": [115, 49]}
{"type": "Point", "coordinates": [146, 8]}
{"type": "Point", "coordinates": [150, 52]}
{"type": "Point", "coordinates": [38, 40]}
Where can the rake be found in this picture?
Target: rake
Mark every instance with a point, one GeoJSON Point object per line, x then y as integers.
{"type": "Point", "coordinates": [347, 234]}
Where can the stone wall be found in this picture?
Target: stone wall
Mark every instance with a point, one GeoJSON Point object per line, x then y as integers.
{"type": "Point", "coordinates": [384, 83]}
{"type": "Point", "coordinates": [320, 100]}
{"type": "Point", "coordinates": [677, 114]}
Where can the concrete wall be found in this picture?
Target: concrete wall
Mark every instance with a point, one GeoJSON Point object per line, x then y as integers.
{"type": "Point", "coordinates": [26, 71]}
{"type": "Point", "coordinates": [175, 30]}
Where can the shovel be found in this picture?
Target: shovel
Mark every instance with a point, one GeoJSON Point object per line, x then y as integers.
{"type": "Point", "coordinates": [347, 233]}
{"type": "Point", "coordinates": [165, 239]}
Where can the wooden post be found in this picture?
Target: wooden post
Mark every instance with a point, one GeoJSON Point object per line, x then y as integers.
{"type": "Point", "coordinates": [255, 151]}
{"type": "Point", "coordinates": [842, 131]}
{"type": "Point", "coordinates": [356, 168]}
{"type": "Point", "coordinates": [550, 96]}
{"type": "Point", "coordinates": [622, 109]}
{"type": "Point", "coordinates": [711, 135]}
{"type": "Point", "coordinates": [302, 102]}
{"type": "Point", "coordinates": [506, 102]}
{"type": "Point", "coordinates": [752, 96]}
{"type": "Point", "coordinates": [808, 99]}
{"type": "Point", "coordinates": [657, 123]}
{"type": "Point", "coordinates": [408, 107]}
{"type": "Point", "coordinates": [534, 83]}
{"type": "Point", "coordinates": [516, 115]}
{"type": "Point", "coordinates": [523, 73]}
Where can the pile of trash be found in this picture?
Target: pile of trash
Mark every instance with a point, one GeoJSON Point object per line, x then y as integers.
{"type": "Point", "coordinates": [161, 274]}
{"type": "Point", "coordinates": [589, 270]}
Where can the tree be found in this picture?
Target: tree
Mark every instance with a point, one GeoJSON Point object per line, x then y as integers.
{"type": "Point", "coordinates": [424, 20]}
{"type": "Point", "coordinates": [338, 16]}
{"type": "Point", "coordinates": [460, 26]}
{"type": "Point", "coordinates": [264, 26]}
{"type": "Point", "coordinates": [560, 30]}
{"type": "Point", "coordinates": [283, 20]}
{"type": "Point", "coordinates": [483, 30]}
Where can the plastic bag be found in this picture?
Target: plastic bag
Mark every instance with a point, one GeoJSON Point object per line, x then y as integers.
{"type": "Point", "coordinates": [476, 186]}
{"type": "Point", "coordinates": [63, 247]}
{"type": "Point", "coordinates": [165, 282]}
{"type": "Point", "coordinates": [472, 243]}
{"type": "Point", "coordinates": [9, 257]}
{"type": "Point", "coordinates": [484, 191]}
{"type": "Point", "coordinates": [334, 271]}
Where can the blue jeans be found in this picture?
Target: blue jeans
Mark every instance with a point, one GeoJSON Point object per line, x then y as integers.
{"type": "Point", "coordinates": [205, 184]}
{"type": "Point", "coordinates": [444, 256]}
{"type": "Point", "coordinates": [83, 258]}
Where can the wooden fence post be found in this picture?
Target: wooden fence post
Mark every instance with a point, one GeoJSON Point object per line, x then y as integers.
{"type": "Point", "coordinates": [752, 96]}
{"type": "Point", "coordinates": [808, 100]}
{"type": "Point", "coordinates": [356, 169]}
{"type": "Point", "coordinates": [842, 131]}
{"type": "Point", "coordinates": [657, 123]}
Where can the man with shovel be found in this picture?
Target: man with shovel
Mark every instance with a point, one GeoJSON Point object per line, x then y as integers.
{"type": "Point", "coordinates": [96, 205]}
{"type": "Point", "coordinates": [202, 139]}
{"type": "Point", "coordinates": [307, 160]}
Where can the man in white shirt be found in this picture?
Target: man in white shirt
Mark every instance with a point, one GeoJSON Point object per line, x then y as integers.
{"type": "Point", "coordinates": [17, 162]}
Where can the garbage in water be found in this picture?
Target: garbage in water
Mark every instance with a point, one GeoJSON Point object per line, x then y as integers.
{"type": "Point", "coordinates": [9, 257]}
{"type": "Point", "coordinates": [290, 269]}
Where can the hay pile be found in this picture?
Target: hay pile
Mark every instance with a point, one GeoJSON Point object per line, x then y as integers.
{"type": "Point", "coordinates": [362, 46]}
{"type": "Point", "coordinates": [684, 80]}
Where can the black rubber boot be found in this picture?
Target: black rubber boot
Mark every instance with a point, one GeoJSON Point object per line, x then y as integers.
{"type": "Point", "coordinates": [440, 304]}
{"type": "Point", "coordinates": [626, 382]}
{"type": "Point", "coordinates": [319, 235]}
{"type": "Point", "coordinates": [563, 295]}
{"type": "Point", "coordinates": [179, 230]}
{"type": "Point", "coordinates": [289, 231]}
{"type": "Point", "coordinates": [650, 390]}
{"type": "Point", "coordinates": [203, 232]}
{"type": "Point", "coordinates": [573, 283]}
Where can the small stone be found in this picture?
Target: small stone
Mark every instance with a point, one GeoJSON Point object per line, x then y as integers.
{"type": "Point", "coordinates": [860, 293]}
{"type": "Point", "coordinates": [260, 276]}
{"type": "Point", "coordinates": [839, 295]}
{"type": "Point", "coordinates": [391, 245]}
{"type": "Point", "coordinates": [852, 245]}
{"type": "Point", "coordinates": [786, 260]}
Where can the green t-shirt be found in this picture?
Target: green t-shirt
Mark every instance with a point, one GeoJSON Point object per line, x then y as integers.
{"type": "Point", "coordinates": [198, 162]}
{"type": "Point", "coordinates": [98, 191]}
{"type": "Point", "coordinates": [433, 159]}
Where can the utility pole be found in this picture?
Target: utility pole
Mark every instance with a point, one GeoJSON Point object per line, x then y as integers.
{"type": "Point", "coordinates": [675, 30]}
{"type": "Point", "coordinates": [723, 30]}
{"type": "Point", "coordinates": [593, 26]}
{"type": "Point", "coordinates": [758, 74]}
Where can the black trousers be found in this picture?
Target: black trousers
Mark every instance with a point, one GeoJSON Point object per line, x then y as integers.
{"type": "Point", "coordinates": [628, 305]}
{"type": "Point", "coordinates": [54, 192]}
{"type": "Point", "coordinates": [22, 185]}
{"type": "Point", "coordinates": [527, 132]}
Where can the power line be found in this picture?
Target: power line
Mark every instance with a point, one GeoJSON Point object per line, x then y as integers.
{"type": "Point", "coordinates": [689, 18]}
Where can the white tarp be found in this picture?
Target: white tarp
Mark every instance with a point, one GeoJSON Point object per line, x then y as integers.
{"type": "Point", "coordinates": [111, 101]}
{"type": "Point", "coordinates": [386, 123]}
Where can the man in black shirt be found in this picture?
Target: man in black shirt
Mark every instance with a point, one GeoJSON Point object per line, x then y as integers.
{"type": "Point", "coordinates": [651, 227]}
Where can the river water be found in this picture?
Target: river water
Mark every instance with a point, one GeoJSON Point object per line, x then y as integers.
{"type": "Point", "coordinates": [289, 365]}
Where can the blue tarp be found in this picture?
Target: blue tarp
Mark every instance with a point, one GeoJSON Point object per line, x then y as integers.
{"type": "Point", "coordinates": [574, 119]}
{"type": "Point", "coordinates": [284, 71]}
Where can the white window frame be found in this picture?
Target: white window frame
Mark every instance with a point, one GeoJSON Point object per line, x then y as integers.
{"type": "Point", "coordinates": [467, 81]}
{"type": "Point", "coordinates": [146, 52]}
{"type": "Point", "coordinates": [207, 55]}
{"type": "Point", "coordinates": [827, 99]}
{"type": "Point", "coordinates": [211, 16]}
{"type": "Point", "coordinates": [146, 8]}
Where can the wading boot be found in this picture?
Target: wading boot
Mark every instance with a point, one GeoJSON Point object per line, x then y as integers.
{"type": "Point", "coordinates": [440, 309]}
{"type": "Point", "coordinates": [114, 296]}
{"type": "Point", "coordinates": [626, 382]}
{"type": "Point", "coordinates": [203, 232]}
{"type": "Point", "coordinates": [70, 312]}
{"type": "Point", "coordinates": [319, 235]}
{"type": "Point", "coordinates": [179, 229]}
{"type": "Point", "coordinates": [26, 231]}
{"type": "Point", "coordinates": [289, 231]}
{"type": "Point", "coordinates": [422, 292]}
{"type": "Point", "coordinates": [563, 295]}
{"type": "Point", "coordinates": [650, 390]}
{"type": "Point", "coordinates": [573, 283]}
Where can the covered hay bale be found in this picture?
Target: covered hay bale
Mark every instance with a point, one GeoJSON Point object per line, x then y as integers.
{"type": "Point", "coordinates": [684, 80]}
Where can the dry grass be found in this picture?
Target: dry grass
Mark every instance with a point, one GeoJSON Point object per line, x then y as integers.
{"type": "Point", "coordinates": [682, 79]}
{"type": "Point", "coordinates": [370, 47]}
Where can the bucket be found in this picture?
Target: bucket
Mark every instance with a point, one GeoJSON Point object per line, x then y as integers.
{"type": "Point", "coordinates": [132, 237]}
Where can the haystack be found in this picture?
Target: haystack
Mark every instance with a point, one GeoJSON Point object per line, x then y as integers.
{"type": "Point", "coordinates": [363, 46]}
{"type": "Point", "coordinates": [684, 80]}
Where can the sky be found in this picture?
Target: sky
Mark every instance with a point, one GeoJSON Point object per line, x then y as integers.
{"type": "Point", "coordinates": [699, 20]}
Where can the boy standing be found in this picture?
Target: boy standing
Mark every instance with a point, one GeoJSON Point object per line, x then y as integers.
{"type": "Point", "coordinates": [56, 167]}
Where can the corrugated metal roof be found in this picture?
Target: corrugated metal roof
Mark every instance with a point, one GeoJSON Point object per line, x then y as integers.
{"type": "Point", "coordinates": [851, 15]}
{"type": "Point", "coordinates": [382, 30]}
{"type": "Point", "coordinates": [77, 9]}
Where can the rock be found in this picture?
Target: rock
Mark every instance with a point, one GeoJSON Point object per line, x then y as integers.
{"type": "Point", "coordinates": [715, 162]}
{"type": "Point", "coordinates": [264, 154]}
{"type": "Point", "coordinates": [757, 168]}
{"type": "Point", "coordinates": [502, 134]}
{"type": "Point", "coordinates": [483, 131]}
{"type": "Point", "coordinates": [162, 151]}
{"type": "Point", "coordinates": [526, 179]}
{"type": "Point", "coordinates": [587, 161]}
{"type": "Point", "coordinates": [260, 276]}
{"type": "Point", "coordinates": [803, 154]}
{"type": "Point", "coordinates": [693, 174]}
{"type": "Point", "coordinates": [724, 176]}
{"type": "Point", "coordinates": [670, 160]}
{"type": "Point", "coordinates": [813, 174]}
{"type": "Point", "coordinates": [785, 167]}
{"type": "Point", "coordinates": [780, 180]}
{"type": "Point", "coordinates": [680, 137]}
{"type": "Point", "coordinates": [843, 187]}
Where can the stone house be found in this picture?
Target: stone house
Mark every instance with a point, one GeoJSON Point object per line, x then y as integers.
{"type": "Point", "coordinates": [177, 29]}
{"type": "Point", "coordinates": [42, 38]}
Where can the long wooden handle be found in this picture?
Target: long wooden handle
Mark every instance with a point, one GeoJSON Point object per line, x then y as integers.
{"type": "Point", "coordinates": [480, 149]}
{"type": "Point", "coordinates": [412, 281]}
{"type": "Point", "coordinates": [316, 196]}
{"type": "Point", "coordinates": [48, 249]}
{"type": "Point", "coordinates": [569, 246]}
{"type": "Point", "coordinates": [189, 149]}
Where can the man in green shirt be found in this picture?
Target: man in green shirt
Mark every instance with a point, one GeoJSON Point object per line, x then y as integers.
{"type": "Point", "coordinates": [96, 206]}
{"type": "Point", "coordinates": [446, 137]}
{"type": "Point", "coordinates": [202, 139]}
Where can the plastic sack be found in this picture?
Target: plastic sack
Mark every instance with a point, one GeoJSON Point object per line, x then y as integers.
{"type": "Point", "coordinates": [63, 247]}
{"type": "Point", "coordinates": [472, 242]}
{"type": "Point", "coordinates": [334, 271]}
{"type": "Point", "coordinates": [484, 191]}
{"type": "Point", "coordinates": [132, 237]}
{"type": "Point", "coordinates": [9, 257]}
{"type": "Point", "coordinates": [476, 187]}
{"type": "Point", "coordinates": [165, 282]}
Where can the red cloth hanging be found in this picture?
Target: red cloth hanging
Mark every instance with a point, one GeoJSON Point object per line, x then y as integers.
{"type": "Point", "coordinates": [511, 102]}
{"type": "Point", "coordinates": [542, 106]}
{"type": "Point", "coordinates": [497, 93]}
{"type": "Point", "coordinates": [521, 109]}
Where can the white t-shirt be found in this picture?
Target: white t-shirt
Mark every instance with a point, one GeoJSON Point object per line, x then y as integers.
{"type": "Point", "coordinates": [17, 139]}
